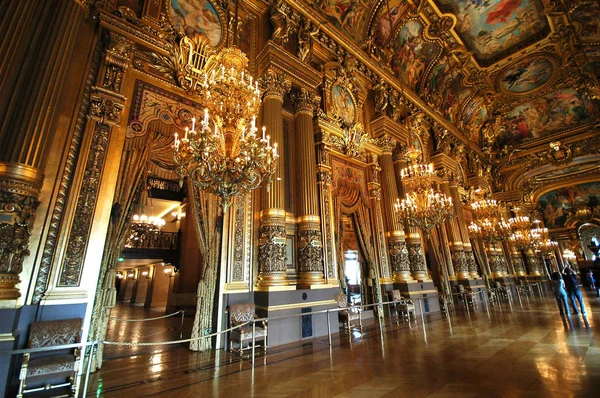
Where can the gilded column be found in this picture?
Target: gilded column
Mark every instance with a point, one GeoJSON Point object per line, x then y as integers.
{"type": "Point", "coordinates": [38, 41]}
{"type": "Point", "coordinates": [272, 237]}
{"type": "Point", "coordinates": [416, 257]}
{"type": "Point", "coordinates": [394, 229]}
{"type": "Point", "coordinates": [310, 241]}
{"type": "Point", "coordinates": [459, 260]}
{"type": "Point", "coordinates": [324, 186]}
{"type": "Point", "coordinates": [464, 231]}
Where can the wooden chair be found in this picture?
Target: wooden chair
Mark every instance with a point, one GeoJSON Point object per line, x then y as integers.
{"type": "Point", "coordinates": [350, 316]}
{"type": "Point", "coordinates": [240, 314]}
{"type": "Point", "coordinates": [403, 307]}
{"type": "Point", "coordinates": [38, 368]}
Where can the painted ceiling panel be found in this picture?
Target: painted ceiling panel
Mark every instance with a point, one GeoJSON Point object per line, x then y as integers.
{"type": "Point", "coordinates": [543, 116]}
{"type": "Point", "coordinates": [491, 28]}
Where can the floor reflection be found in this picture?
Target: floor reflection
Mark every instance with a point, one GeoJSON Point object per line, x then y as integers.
{"type": "Point", "coordinates": [531, 351]}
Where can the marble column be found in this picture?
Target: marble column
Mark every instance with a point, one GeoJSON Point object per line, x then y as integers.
{"type": "Point", "coordinates": [394, 229]}
{"type": "Point", "coordinates": [416, 256]}
{"type": "Point", "coordinates": [272, 236]}
{"type": "Point", "coordinates": [37, 44]}
{"type": "Point", "coordinates": [309, 239]}
{"type": "Point", "coordinates": [464, 231]}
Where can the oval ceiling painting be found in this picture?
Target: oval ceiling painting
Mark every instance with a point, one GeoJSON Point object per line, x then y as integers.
{"type": "Point", "coordinates": [343, 104]}
{"type": "Point", "coordinates": [197, 16]}
{"type": "Point", "coordinates": [526, 75]}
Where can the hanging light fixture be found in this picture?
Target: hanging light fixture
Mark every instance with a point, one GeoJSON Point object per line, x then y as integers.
{"type": "Point", "coordinates": [422, 207]}
{"type": "Point", "coordinates": [224, 153]}
{"type": "Point", "coordinates": [143, 227]}
{"type": "Point", "coordinates": [488, 224]}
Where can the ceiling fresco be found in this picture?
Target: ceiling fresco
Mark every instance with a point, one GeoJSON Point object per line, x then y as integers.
{"type": "Point", "coordinates": [197, 16]}
{"type": "Point", "coordinates": [492, 27]}
{"type": "Point", "coordinates": [556, 206]}
{"type": "Point", "coordinates": [477, 60]}
{"type": "Point", "coordinates": [412, 54]}
{"type": "Point", "coordinates": [543, 116]}
{"type": "Point", "coordinates": [350, 16]}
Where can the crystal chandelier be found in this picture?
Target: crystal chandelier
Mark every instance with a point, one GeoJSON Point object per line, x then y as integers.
{"type": "Point", "coordinates": [524, 236]}
{"type": "Point", "coordinates": [422, 207]}
{"type": "Point", "coordinates": [569, 255]}
{"type": "Point", "coordinates": [542, 241]}
{"type": "Point", "coordinates": [488, 225]}
{"type": "Point", "coordinates": [143, 227]}
{"type": "Point", "coordinates": [224, 154]}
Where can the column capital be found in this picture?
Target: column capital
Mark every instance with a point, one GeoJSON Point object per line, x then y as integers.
{"type": "Point", "coordinates": [305, 101]}
{"type": "Point", "coordinates": [274, 85]}
{"type": "Point", "coordinates": [386, 144]}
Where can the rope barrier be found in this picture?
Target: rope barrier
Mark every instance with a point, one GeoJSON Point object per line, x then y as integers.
{"type": "Point", "coordinates": [145, 319]}
{"type": "Point", "coordinates": [131, 344]}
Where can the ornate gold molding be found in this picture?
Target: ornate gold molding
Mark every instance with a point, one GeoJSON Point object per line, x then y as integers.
{"type": "Point", "coordinates": [19, 189]}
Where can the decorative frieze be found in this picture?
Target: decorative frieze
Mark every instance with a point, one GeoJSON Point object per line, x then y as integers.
{"type": "Point", "coordinates": [70, 273]}
{"type": "Point", "coordinates": [416, 260]}
{"type": "Point", "coordinates": [271, 253]}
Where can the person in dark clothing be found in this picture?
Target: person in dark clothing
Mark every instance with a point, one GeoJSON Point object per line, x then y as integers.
{"type": "Point", "coordinates": [558, 285]}
{"type": "Point", "coordinates": [573, 289]}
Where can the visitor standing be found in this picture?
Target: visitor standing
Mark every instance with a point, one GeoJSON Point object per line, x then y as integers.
{"type": "Point", "coordinates": [573, 289]}
{"type": "Point", "coordinates": [560, 293]}
{"type": "Point", "coordinates": [591, 280]}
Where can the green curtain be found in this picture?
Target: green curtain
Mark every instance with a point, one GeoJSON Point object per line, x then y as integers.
{"type": "Point", "coordinates": [129, 185]}
{"type": "Point", "coordinates": [206, 211]}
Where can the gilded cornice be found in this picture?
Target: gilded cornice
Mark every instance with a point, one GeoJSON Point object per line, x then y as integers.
{"type": "Point", "coordinates": [148, 38]}
{"type": "Point", "coordinates": [371, 64]}
{"type": "Point", "coordinates": [273, 57]}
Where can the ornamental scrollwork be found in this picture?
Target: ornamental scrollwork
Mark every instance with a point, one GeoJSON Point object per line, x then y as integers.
{"type": "Point", "coordinates": [17, 212]}
{"type": "Point", "coordinates": [271, 250]}
{"type": "Point", "coordinates": [310, 251]}
{"type": "Point", "coordinates": [274, 85]}
{"type": "Point", "coordinates": [398, 255]}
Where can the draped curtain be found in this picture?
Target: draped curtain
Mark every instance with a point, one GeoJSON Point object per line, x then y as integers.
{"type": "Point", "coordinates": [347, 199]}
{"type": "Point", "coordinates": [130, 183]}
{"type": "Point", "coordinates": [206, 215]}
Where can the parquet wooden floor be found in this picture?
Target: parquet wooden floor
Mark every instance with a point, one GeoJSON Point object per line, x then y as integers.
{"type": "Point", "coordinates": [527, 352]}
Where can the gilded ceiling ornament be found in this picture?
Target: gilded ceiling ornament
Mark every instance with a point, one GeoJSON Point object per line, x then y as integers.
{"type": "Point", "coordinates": [559, 155]}
{"type": "Point", "coordinates": [187, 58]}
{"type": "Point", "coordinates": [353, 141]}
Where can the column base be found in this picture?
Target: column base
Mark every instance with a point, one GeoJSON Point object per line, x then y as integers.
{"type": "Point", "coordinates": [308, 278]}
{"type": "Point", "coordinates": [463, 275]}
{"type": "Point", "coordinates": [402, 276]}
{"type": "Point", "coordinates": [420, 276]}
{"type": "Point", "coordinates": [272, 278]}
{"type": "Point", "coordinates": [8, 290]}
